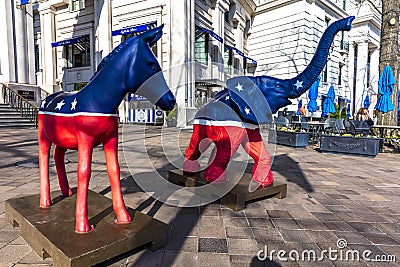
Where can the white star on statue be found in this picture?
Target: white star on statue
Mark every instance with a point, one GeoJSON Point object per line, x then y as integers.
{"type": "Point", "coordinates": [227, 97]}
{"type": "Point", "coordinates": [239, 87]}
{"type": "Point", "coordinates": [298, 84]}
{"type": "Point", "coordinates": [247, 111]}
{"type": "Point", "coordinates": [60, 104]}
{"type": "Point", "coordinates": [43, 103]}
{"type": "Point", "coordinates": [73, 104]}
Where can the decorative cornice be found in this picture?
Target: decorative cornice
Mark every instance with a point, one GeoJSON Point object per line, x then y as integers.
{"type": "Point", "coordinates": [273, 5]}
{"type": "Point", "coordinates": [248, 5]}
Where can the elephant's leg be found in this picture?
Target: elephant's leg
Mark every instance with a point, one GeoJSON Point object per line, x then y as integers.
{"type": "Point", "coordinates": [254, 145]}
{"type": "Point", "coordinates": [227, 140]}
{"type": "Point", "coordinates": [111, 154]}
{"type": "Point", "coordinates": [59, 153]}
{"type": "Point", "coordinates": [85, 150]}
{"type": "Point", "coordinates": [44, 151]}
{"type": "Point", "coordinates": [199, 142]}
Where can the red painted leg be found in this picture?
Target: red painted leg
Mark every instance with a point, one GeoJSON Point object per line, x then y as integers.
{"type": "Point", "coordinates": [227, 140]}
{"type": "Point", "coordinates": [111, 153]}
{"type": "Point", "coordinates": [85, 150]}
{"type": "Point", "coordinates": [198, 144]}
{"type": "Point", "coordinates": [44, 151]}
{"type": "Point", "coordinates": [59, 154]}
{"type": "Point", "coordinates": [254, 145]}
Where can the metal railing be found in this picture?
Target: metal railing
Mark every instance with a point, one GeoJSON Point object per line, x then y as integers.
{"type": "Point", "coordinates": [22, 105]}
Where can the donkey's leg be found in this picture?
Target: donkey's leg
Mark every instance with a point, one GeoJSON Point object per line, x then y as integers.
{"type": "Point", "coordinates": [199, 142]}
{"type": "Point", "coordinates": [227, 140]}
{"type": "Point", "coordinates": [85, 150]}
{"type": "Point", "coordinates": [254, 145]}
{"type": "Point", "coordinates": [111, 153]}
{"type": "Point", "coordinates": [59, 153]}
{"type": "Point", "coordinates": [44, 151]}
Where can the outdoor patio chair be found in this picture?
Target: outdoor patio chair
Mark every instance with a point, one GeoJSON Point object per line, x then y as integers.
{"type": "Point", "coordinates": [339, 125]}
{"type": "Point", "coordinates": [282, 122]}
{"type": "Point", "coordinates": [329, 125]}
{"type": "Point", "coordinates": [362, 127]}
{"type": "Point", "coordinates": [304, 124]}
{"type": "Point", "coordinates": [349, 126]}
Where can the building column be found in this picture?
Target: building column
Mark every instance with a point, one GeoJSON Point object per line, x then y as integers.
{"type": "Point", "coordinates": [6, 42]}
{"type": "Point", "coordinates": [361, 80]}
{"type": "Point", "coordinates": [374, 76]}
{"type": "Point", "coordinates": [181, 74]}
{"type": "Point", "coordinates": [350, 74]}
{"type": "Point", "coordinates": [20, 45]}
{"type": "Point", "coordinates": [102, 30]}
{"type": "Point", "coordinates": [30, 45]}
{"type": "Point", "coordinates": [48, 54]}
{"type": "Point", "coordinates": [218, 21]}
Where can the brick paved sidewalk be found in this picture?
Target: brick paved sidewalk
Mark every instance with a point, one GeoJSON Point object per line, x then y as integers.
{"type": "Point", "coordinates": [330, 197]}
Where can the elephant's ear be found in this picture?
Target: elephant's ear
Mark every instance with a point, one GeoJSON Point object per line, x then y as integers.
{"type": "Point", "coordinates": [248, 101]}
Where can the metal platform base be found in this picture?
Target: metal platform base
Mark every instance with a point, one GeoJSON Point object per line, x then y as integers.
{"type": "Point", "coordinates": [236, 199]}
{"type": "Point", "coordinates": [51, 232]}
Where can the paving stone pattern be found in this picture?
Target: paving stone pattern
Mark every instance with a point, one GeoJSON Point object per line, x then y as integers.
{"type": "Point", "coordinates": [330, 197]}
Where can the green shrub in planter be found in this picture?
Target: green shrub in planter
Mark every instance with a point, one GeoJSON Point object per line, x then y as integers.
{"type": "Point", "coordinates": [171, 117]}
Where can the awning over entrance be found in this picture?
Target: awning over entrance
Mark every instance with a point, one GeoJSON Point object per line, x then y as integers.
{"type": "Point", "coordinates": [210, 32]}
{"type": "Point", "coordinates": [240, 53]}
{"type": "Point", "coordinates": [134, 29]}
{"type": "Point", "coordinates": [74, 40]}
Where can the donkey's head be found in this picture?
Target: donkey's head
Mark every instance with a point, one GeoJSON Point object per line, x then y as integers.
{"type": "Point", "coordinates": [144, 76]}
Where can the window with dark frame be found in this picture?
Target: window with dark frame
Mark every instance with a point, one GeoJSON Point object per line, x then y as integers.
{"type": "Point", "coordinates": [201, 47]}
{"type": "Point", "coordinates": [37, 66]}
{"type": "Point", "coordinates": [78, 54]}
{"type": "Point", "coordinates": [325, 73]}
{"type": "Point", "coordinates": [77, 5]}
{"type": "Point", "coordinates": [228, 60]}
{"type": "Point", "coordinates": [244, 65]}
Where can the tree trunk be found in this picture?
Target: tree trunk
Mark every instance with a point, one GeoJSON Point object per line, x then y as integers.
{"type": "Point", "coordinates": [389, 53]}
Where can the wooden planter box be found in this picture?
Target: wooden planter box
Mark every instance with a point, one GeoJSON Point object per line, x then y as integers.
{"type": "Point", "coordinates": [350, 145]}
{"type": "Point", "coordinates": [295, 139]}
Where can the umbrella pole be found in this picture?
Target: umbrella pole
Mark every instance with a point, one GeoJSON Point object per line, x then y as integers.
{"type": "Point", "coordinates": [311, 116]}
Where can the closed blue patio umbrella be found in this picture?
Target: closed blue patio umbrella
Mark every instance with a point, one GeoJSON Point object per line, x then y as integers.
{"type": "Point", "coordinates": [348, 111]}
{"type": "Point", "coordinates": [398, 108]}
{"type": "Point", "coordinates": [328, 106]}
{"type": "Point", "coordinates": [299, 105]}
{"type": "Point", "coordinates": [385, 88]}
{"type": "Point", "coordinates": [313, 94]}
{"type": "Point", "coordinates": [367, 102]}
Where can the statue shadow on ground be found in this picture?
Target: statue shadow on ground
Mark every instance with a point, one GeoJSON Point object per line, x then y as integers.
{"type": "Point", "coordinates": [177, 229]}
{"type": "Point", "coordinates": [291, 171]}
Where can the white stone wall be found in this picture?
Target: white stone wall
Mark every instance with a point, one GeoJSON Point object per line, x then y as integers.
{"type": "Point", "coordinates": [281, 36]}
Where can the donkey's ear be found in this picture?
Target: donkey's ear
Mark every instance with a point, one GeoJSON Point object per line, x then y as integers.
{"type": "Point", "coordinates": [152, 36]}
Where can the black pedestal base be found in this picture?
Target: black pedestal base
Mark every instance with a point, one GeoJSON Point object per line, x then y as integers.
{"type": "Point", "coordinates": [235, 199]}
{"type": "Point", "coordinates": [51, 231]}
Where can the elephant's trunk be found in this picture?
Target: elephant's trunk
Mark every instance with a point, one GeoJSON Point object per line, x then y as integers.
{"type": "Point", "coordinates": [302, 82]}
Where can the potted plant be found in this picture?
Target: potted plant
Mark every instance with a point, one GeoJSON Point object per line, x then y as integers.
{"type": "Point", "coordinates": [350, 141]}
{"type": "Point", "coordinates": [290, 136]}
{"type": "Point", "coordinates": [171, 117]}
